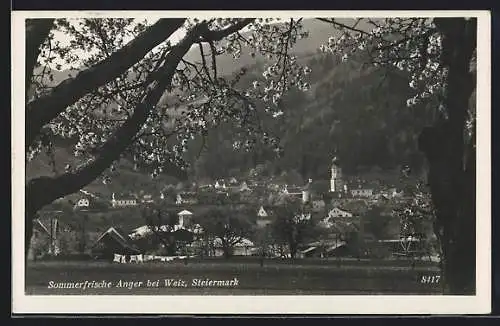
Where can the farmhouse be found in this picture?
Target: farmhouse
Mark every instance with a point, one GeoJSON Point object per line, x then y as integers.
{"type": "Point", "coordinates": [83, 202]}
{"type": "Point", "coordinates": [185, 217]}
{"type": "Point", "coordinates": [123, 202]}
{"type": "Point", "coordinates": [264, 216]}
{"type": "Point", "coordinates": [337, 212]}
{"type": "Point", "coordinates": [111, 242]}
{"type": "Point", "coordinates": [363, 192]}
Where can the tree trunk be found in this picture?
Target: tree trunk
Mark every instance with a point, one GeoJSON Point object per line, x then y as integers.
{"type": "Point", "coordinates": [293, 250]}
{"type": "Point", "coordinates": [452, 181]}
{"type": "Point", "coordinates": [227, 252]}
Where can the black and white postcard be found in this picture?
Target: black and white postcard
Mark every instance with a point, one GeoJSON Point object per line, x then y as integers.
{"type": "Point", "coordinates": [251, 162]}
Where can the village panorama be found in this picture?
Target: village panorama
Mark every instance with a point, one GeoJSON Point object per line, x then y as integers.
{"type": "Point", "coordinates": [247, 156]}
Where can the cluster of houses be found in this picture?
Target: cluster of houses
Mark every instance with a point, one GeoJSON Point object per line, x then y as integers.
{"type": "Point", "coordinates": [247, 191]}
{"type": "Point", "coordinates": [332, 205]}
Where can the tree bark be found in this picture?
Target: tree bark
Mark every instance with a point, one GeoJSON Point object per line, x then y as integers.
{"type": "Point", "coordinates": [450, 177]}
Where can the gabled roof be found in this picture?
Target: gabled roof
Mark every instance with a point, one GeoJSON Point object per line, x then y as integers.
{"type": "Point", "coordinates": [185, 212]}
{"type": "Point", "coordinates": [117, 236]}
{"type": "Point", "coordinates": [339, 209]}
{"type": "Point", "coordinates": [262, 212]}
{"type": "Point", "coordinates": [113, 232]}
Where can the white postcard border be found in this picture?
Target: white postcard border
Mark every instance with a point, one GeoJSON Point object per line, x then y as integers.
{"type": "Point", "coordinates": [297, 304]}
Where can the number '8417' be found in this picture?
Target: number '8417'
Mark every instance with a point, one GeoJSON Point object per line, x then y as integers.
{"type": "Point", "coordinates": [430, 279]}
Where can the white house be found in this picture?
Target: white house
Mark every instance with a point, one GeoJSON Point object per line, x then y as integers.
{"type": "Point", "coordinates": [337, 212]}
{"type": "Point", "coordinates": [263, 217]}
{"type": "Point", "coordinates": [184, 217]}
{"type": "Point", "coordinates": [125, 202]}
{"type": "Point", "coordinates": [83, 202]}
{"type": "Point", "coordinates": [363, 192]}
{"type": "Point", "coordinates": [220, 184]}
{"type": "Point", "coordinates": [262, 212]}
{"type": "Point", "coordinates": [147, 199]}
{"type": "Point", "coordinates": [244, 187]}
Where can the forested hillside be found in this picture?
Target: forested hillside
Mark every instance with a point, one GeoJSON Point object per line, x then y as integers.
{"type": "Point", "coordinates": [356, 112]}
{"type": "Point", "coordinates": [353, 111]}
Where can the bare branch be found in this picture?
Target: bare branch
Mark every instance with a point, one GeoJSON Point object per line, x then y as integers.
{"type": "Point", "coordinates": [341, 25]}
{"type": "Point", "coordinates": [204, 62]}
{"type": "Point", "coordinates": [214, 59]}
{"type": "Point", "coordinates": [220, 34]}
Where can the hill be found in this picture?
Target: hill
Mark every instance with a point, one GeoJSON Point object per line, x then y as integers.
{"type": "Point", "coordinates": [355, 111]}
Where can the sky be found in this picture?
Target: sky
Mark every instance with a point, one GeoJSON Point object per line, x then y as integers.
{"type": "Point", "coordinates": [61, 37]}
{"type": "Point", "coordinates": [64, 40]}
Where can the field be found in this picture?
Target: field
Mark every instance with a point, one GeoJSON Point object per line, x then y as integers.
{"type": "Point", "coordinates": [276, 277]}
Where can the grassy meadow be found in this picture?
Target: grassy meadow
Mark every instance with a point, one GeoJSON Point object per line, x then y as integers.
{"type": "Point", "coordinates": [275, 277]}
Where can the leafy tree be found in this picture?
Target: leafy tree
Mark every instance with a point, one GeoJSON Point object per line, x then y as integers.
{"type": "Point", "coordinates": [40, 244]}
{"type": "Point", "coordinates": [263, 240]}
{"type": "Point", "coordinates": [144, 99]}
{"type": "Point", "coordinates": [377, 223]}
{"type": "Point", "coordinates": [417, 218]}
{"type": "Point", "coordinates": [161, 224]}
{"type": "Point", "coordinates": [292, 225]}
{"type": "Point", "coordinates": [438, 54]}
{"type": "Point", "coordinates": [228, 224]}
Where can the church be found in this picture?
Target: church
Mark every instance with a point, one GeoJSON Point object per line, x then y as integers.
{"type": "Point", "coordinates": [336, 184]}
{"type": "Point", "coordinates": [340, 188]}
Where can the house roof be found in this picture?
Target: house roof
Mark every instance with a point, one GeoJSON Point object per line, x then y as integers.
{"type": "Point", "coordinates": [267, 208]}
{"type": "Point", "coordinates": [113, 231]}
{"type": "Point", "coordinates": [187, 194]}
{"type": "Point", "coordinates": [309, 250]}
{"type": "Point", "coordinates": [113, 234]}
{"type": "Point", "coordinates": [342, 209]}
{"type": "Point", "coordinates": [184, 213]}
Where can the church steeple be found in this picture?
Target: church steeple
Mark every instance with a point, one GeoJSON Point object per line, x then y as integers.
{"type": "Point", "coordinates": [336, 176]}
